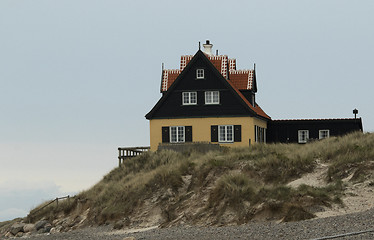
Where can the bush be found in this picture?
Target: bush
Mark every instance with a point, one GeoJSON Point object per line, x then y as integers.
{"type": "Point", "coordinates": [233, 189]}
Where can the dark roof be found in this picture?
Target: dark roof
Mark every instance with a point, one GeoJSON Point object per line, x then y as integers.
{"type": "Point", "coordinates": [316, 121]}
{"type": "Point", "coordinates": [256, 111]}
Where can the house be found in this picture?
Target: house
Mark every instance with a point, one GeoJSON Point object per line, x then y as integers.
{"type": "Point", "coordinates": [207, 100]}
{"type": "Point", "coordinates": [305, 130]}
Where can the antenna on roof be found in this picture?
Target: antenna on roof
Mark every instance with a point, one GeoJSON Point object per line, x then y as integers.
{"type": "Point", "coordinates": [199, 46]}
{"type": "Point", "coordinates": [162, 76]}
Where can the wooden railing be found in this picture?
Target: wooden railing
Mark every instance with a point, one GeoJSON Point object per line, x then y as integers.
{"type": "Point", "coordinates": [129, 152]}
{"type": "Point", "coordinates": [30, 215]}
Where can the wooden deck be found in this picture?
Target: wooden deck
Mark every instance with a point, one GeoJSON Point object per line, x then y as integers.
{"type": "Point", "coordinates": [129, 152]}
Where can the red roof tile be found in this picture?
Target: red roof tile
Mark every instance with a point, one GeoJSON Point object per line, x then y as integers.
{"type": "Point", "coordinates": [242, 79]}
{"type": "Point", "coordinates": [168, 77]}
{"type": "Point", "coordinates": [185, 59]}
{"type": "Point", "coordinates": [257, 109]}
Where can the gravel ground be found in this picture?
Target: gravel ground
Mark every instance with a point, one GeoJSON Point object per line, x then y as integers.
{"type": "Point", "coordinates": [309, 229]}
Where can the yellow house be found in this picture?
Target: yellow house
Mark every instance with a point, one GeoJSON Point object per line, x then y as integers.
{"type": "Point", "coordinates": [207, 100]}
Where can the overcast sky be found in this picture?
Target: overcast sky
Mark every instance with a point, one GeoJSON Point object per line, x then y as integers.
{"type": "Point", "coordinates": [78, 76]}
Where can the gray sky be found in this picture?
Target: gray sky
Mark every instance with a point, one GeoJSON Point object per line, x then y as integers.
{"type": "Point", "coordinates": [78, 76]}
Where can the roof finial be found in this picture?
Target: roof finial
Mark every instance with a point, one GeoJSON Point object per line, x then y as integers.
{"type": "Point", "coordinates": [199, 45]}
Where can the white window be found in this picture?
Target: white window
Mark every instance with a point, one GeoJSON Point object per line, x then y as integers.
{"type": "Point", "coordinates": [212, 97]}
{"type": "Point", "coordinates": [260, 134]}
{"type": "Point", "coordinates": [324, 134]}
{"type": "Point", "coordinates": [200, 73]}
{"type": "Point", "coordinates": [303, 136]}
{"type": "Point", "coordinates": [226, 133]}
{"type": "Point", "coordinates": [189, 98]}
{"type": "Point", "coordinates": [177, 134]}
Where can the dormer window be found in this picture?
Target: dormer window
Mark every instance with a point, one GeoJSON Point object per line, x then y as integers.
{"type": "Point", "coordinates": [200, 73]}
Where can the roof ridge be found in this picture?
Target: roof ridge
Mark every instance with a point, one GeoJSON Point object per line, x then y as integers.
{"type": "Point", "coordinates": [172, 70]}
{"type": "Point", "coordinates": [242, 70]}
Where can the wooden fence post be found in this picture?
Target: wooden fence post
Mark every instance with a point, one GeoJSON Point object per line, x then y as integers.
{"type": "Point", "coordinates": [119, 157]}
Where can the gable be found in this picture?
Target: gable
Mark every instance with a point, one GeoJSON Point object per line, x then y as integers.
{"type": "Point", "coordinates": [241, 79]}
{"type": "Point", "coordinates": [232, 102]}
{"type": "Point", "coordinates": [211, 79]}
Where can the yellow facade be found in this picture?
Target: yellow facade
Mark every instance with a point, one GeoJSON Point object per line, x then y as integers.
{"type": "Point", "coordinates": [201, 129]}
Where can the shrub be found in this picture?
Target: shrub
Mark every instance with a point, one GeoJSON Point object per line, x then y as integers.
{"type": "Point", "coordinates": [233, 189]}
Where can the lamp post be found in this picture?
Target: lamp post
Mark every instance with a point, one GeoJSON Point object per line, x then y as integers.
{"type": "Point", "coordinates": [355, 112]}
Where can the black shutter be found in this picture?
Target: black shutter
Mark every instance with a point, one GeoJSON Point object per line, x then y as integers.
{"type": "Point", "coordinates": [214, 133]}
{"type": "Point", "coordinates": [165, 135]}
{"type": "Point", "coordinates": [188, 133]}
{"type": "Point", "coordinates": [237, 133]}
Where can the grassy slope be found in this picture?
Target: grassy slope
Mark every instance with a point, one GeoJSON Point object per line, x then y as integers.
{"type": "Point", "coordinates": [230, 186]}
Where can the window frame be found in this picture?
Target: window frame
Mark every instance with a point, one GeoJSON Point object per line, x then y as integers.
{"type": "Point", "coordinates": [225, 136]}
{"type": "Point", "coordinates": [200, 73]}
{"type": "Point", "coordinates": [210, 94]}
{"type": "Point", "coordinates": [178, 130]}
{"type": "Point", "coordinates": [303, 138]}
{"type": "Point", "coordinates": [260, 134]}
{"type": "Point", "coordinates": [320, 132]}
{"type": "Point", "coordinates": [189, 97]}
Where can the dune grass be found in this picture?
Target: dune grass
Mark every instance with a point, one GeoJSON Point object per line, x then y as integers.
{"type": "Point", "coordinates": [234, 178]}
{"type": "Point", "coordinates": [49, 210]}
{"type": "Point", "coordinates": [351, 154]}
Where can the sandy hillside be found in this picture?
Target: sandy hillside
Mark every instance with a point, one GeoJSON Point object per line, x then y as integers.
{"type": "Point", "coordinates": [357, 197]}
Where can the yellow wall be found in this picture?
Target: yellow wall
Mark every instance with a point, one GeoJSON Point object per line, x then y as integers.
{"type": "Point", "coordinates": [201, 128]}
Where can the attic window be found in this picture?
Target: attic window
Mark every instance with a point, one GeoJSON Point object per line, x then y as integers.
{"type": "Point", "coordinates": [212, 97]}
{"type": "Point", "coordinates": [189, 98]}
{"type": "Point", "coordinates": [200, 73]}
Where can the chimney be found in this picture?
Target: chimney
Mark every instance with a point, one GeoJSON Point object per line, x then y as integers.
{"type": "Point", "coordinates": [208, 48]}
